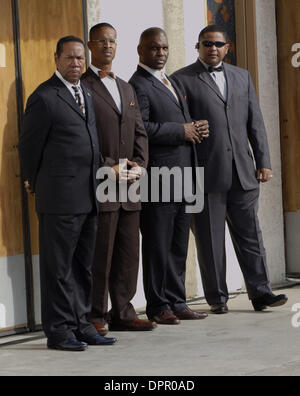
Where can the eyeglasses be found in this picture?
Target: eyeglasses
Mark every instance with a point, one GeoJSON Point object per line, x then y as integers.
{"type": "Point", "coordinates": [104, 41]}
{"type": "Point", "coordinates": [218, 44]}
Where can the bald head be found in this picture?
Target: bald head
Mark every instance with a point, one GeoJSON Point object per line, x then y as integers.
{"type": "Point", "coordinates": [150, 33]}
{"type": "Point", "coordinates": [153, 48]}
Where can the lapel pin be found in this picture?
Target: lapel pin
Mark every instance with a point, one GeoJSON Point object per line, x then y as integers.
{"type": "Point", "coordinates": [132, 104]}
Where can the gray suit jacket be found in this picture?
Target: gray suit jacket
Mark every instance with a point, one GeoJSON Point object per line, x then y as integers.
{"type": "Point", "coordinates": [163, 118]}
{"type": "Point", "coordinates": [234, 122]}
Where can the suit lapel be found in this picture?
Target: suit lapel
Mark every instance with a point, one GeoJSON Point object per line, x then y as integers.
{"type": "Point", "coordinates": [159, 85]}
{"type": "Point", "coordinates": [207, 79]}
{"type": "Point", "coordinates": [65, 95]}
{"type": "Point", "coordinates": [230, 78]}
{"type": "Point", "coordinates": [88, 101]}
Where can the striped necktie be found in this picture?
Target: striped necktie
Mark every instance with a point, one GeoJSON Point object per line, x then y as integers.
{"type": "Point", "coordinates": [78, 98]}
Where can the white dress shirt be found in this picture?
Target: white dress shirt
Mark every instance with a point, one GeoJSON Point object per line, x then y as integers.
{"type": "Point", "coordinates": [160, 75]}
{"type": "Point", "coordinates": [219, 78]}
{"type": "Point", "coordinates": [112, 87]}
{"type": "Point", "coordinates": [70, 85]}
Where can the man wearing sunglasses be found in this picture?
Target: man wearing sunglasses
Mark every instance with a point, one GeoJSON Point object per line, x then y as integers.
{"type": "Point", "coordinates": [225, 96]}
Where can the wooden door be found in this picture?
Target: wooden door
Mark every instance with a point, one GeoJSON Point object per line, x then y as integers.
{"type": "Point", "coordinates": [29, 31]}
{"type": "Point", "coordinates": [12, 267]}
{"type": "Point", "coordinates": [288, 17]}
{"type": "Point", "coordinates": [42, 24]}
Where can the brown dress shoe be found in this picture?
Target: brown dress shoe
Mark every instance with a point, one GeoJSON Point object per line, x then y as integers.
{"type": "Point", "coordinates": [188, 314]}
{"type": "Point", "coordinates": [166, 317]}
{"type": "Point", "coordinates": [134, 325]}
{"type": "Point", "coordinates": [100, 328]}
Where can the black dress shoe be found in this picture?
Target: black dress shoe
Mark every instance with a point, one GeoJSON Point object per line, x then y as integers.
{"type": "Point", "coordinates": [72, 345]}
{"type": "Point", "coordinates": [269, 300]}
{"type": "Point", "coordinates": [97, 340]}
{"type": "Point", "coordinates": [219, 309]}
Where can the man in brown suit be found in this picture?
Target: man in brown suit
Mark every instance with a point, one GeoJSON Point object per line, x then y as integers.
{"type": "Point", "coordinates": [123, 139]}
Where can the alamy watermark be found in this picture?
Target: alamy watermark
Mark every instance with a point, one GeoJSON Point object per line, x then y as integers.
{"type": "Point", "coordinates": [158, 184]}
{"type": "Point", "coordinates": [296, 316]}
{"type": "Point", "coordinates": [296, 57]}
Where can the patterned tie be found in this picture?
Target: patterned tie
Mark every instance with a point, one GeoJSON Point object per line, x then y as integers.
{"type": "Point", "coordinates": [78, 99]}
{"type": "Point", "coordinates": [165, 80]}
{"type": "Point", "coordinates": [103, 74]}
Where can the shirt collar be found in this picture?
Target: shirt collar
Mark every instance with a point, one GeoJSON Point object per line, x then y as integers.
{"type": "Point", "coordinates": [67, 83]}
{"type": "Point", "coordinates": [154, 72]}
{"type": "Point", "coordinates": [96, 70]}
{"type": "Point", "coordinates": [207, 66]}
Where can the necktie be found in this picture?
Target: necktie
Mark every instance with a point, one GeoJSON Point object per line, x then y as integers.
{"type": "Point", "coordinates": [103, 74]}
{"type": "Point", "coordinates": [213, 69]}
{"type": "Point", "coordinates": [78, 99]}
{"type": "Point", "coordinates": [165, 80]}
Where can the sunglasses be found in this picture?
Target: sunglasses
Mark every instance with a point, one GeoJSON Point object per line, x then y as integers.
{"type": "Point", "coordinates": [218, 44]}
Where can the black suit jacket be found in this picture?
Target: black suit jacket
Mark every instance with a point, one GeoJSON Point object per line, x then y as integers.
{"type": "Point", "coordinates": [233, 122]}
{"type": "Point", "coordinates": [163, 118]}
{"type": "Point", "coordinates": [59, 150]}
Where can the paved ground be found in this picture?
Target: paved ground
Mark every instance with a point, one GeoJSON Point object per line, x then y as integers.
{"type": "Point", "coordinates": [242, 343]}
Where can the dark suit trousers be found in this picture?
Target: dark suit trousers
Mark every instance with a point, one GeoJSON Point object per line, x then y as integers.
{"type": "Point", "coordinates": [239, 208]}
{"type": "Point", "coordinates": [116, 265]}
{"type": "Point", "coordinates": [67, 245]}
{"type": "Point", "coordinates": [165, 230]}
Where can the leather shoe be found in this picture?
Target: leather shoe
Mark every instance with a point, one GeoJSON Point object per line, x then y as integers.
{"type": "Point", "coordinates": [72, 345]}
{"type": "Point", "coordinates": [269, 300]}
{"type": "Point", "coordinates": [188, 314]}
{"type": "Point", "coordinates": [97, 340]}
{"type": "Point", "coordinates": [165, 317]}
{"type": "Point", "coordinates": [101, 329]}
{"type": "Point", "coordinates": [134, 325]}
{"type": "Point", "coordinates": [219, 309]}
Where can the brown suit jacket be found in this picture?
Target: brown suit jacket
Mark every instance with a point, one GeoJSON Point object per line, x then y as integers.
{"type": "Point", "coordinates": [120, 135]}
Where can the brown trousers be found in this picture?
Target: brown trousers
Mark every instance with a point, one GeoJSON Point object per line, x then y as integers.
{"type": "Point", "coordinates": [116, 265]}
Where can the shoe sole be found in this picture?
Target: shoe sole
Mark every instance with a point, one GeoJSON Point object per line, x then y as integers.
{"type": "Point", "coordinates": [66, 349]}
{"type": "Point", "coordinates": [279, 303]}
{"type": "Point", "coordinates": [220, 313]}
{"type": "Point", "coordinates": [127, 329]}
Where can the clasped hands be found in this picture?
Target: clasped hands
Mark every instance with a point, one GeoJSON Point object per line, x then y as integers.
{"type": "Point", "coordinates": [127, 171]}
{"type": "Point", "coordinates": [196, 132]}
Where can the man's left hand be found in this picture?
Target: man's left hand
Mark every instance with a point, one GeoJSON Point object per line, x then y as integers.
{"type": "Point", "coordinates": [264, 175]}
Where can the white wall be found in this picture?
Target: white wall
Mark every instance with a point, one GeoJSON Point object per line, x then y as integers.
{"type": "Point", "coordinates": [12, 292]}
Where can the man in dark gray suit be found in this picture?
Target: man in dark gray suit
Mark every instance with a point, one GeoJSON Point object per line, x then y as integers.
{"type": "Point", "coordinates": [225, 96]}
{"type": "Point", "coordinates": [165, 225]}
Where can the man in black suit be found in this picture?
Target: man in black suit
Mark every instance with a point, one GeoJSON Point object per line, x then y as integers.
{"type": "Point", "coordinates": [165, 226]}
{"type": "Point", "coordinates": [59, 152]}
{"type": "Point", "coordinates": [225, 96]}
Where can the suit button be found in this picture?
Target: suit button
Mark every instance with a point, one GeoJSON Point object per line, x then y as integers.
{"type": "Point", "coordinates": [122, 142]}
{"type": "Point", "coordinates": [229, 150]}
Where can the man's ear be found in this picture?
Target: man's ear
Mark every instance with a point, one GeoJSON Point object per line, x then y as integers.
{"type": "Point", "coordinates": [140, 50]}
{"type": "Point", "coordinates": [89, 44]}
